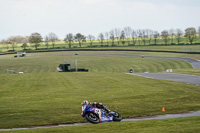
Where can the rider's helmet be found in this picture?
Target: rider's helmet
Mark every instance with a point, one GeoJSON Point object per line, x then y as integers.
{"type": "Point", "coordinates": [85, 102]}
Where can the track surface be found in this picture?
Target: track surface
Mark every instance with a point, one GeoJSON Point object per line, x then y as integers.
{"type": "Point", "coordinates": [191, 79]}
{"type": "Point", "coordinates": [167, 116]}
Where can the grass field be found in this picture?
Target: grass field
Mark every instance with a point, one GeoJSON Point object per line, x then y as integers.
{"type": "Point", "coordinates": [178, 125]}
{"type": "Point", "coordinates": [44, 96]}
{"type": "Point", "coordinates": [47, 62]}
{"type": "Point", "coordinates": [182, 48]}
{"type": "Point", "coordinates": [188, 71]}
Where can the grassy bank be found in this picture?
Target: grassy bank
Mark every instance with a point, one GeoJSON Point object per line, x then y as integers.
{"type": "Point", "coordinates": [188, 71]}
{"type": "Point", "coordinates": [178, 125]}
{"type": "Point", "coordinates": [94, 61]}
{"type": "Point", "coordinates": [52, 98]}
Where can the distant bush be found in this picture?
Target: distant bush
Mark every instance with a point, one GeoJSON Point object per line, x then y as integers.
{"type": "Point", "coordinates": [11, 50]}
{"type": "Point", "coordinates": [42, 48]}
{"type": "Point", "coordinates": [104, 45]}
{"type": "Point", "coordinates": [181, 44]}
{"type": "Point", "coordinates": [93, 46]}
{"type": "Point", "coordinates": [27, 49]}
{"type": "Point", "coordinates": [196, 43]}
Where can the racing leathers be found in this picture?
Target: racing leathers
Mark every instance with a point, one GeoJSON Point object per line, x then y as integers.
{"type": "Point", "coordinates": [98, 105]}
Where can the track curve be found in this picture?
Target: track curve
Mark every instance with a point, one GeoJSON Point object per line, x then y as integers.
{"type": "Point", "coordinates": [167, 116]}
{"type": "Point", "coordinates": [191, 79]}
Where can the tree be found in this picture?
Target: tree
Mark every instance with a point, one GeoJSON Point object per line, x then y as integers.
{"type": "Point", "coordinates": [1, 42]}
{"type": "Point", "coordinates": [16, 39]}
{"type": "Point", "coordinates": [134, 36]}
{"type": "Point", "coordinates": [13, 45]}
{"type": "Point", "coordinates": [178, 35]}
{"type": "Point", "coordinates": [52, 38]}
{"type": "Point", "coordinates": [117, 33]}
{"type": "Point", "coordinates": [165, 36]}
{"type": "Point", "coordinates": [25, 39]}
{"type": "Point", "coordinates": [172, 34]}
{"type": "Point", "coordinates": [122, 37]}
{"type": "Point", "coordinates": [69, 38]}
{"type": "Point", "coordinates": [101, 38]}
{"type": "Point", "coordinates": [36, 39]}
{"type": "Point", "coordinates": [80, 38]}
{"type": "Point", "coordinates": [155, 35]}
{"type": "Point", "coordinates": [91, 38]}
{"type": "Point", "coordinates": [128, 31]}
{"type": "Point", "coordinates": [199, 31]}
{"type": "Point", "coordinates": [24, 45]}
{"type": "Point", "coordinates": [46, 40]}
{"type": "Point", "coordinates": [5, 42]}
{"type": "Point", "coordinates": [7, 45]}
{"type": "Point", "coordinates": [149, 34]}
{"type": "Point", "coordinates": [139, 32]}
{"type": "Point", "coordinates": [13, 41]}
{"type": "Point", "coordinates": [191, 34]}
{"type": "Point", "coordinates": [107, 37]}
{"type": "Point", "coordinates": [112, 37]}
{"type": "Point", "coordinates": [143, 35]}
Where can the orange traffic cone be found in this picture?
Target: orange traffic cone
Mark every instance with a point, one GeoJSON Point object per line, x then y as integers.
{"type": "Point", "coordinates": [163, 109]}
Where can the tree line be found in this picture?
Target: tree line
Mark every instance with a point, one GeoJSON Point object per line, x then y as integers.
{"type": "Point", "coordinates": [113, 37]}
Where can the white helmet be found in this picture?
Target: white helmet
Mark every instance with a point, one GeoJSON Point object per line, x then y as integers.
{"type": "Point", "coordinates": [85, 102]}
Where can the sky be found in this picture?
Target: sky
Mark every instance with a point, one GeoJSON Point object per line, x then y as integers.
{"type": "Point", "coordinates": [23, 17]}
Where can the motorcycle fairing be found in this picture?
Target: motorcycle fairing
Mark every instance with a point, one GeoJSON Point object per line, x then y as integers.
{"type": "Point", "coordinates": [99, 112]}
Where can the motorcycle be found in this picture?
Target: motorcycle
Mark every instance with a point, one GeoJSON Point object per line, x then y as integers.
{"type": "Point", "coordinates": [96, 115]}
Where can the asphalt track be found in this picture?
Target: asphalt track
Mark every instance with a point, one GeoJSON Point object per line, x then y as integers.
{"type": "Point", "coordinates": [167, 116]}
{"type": "Point", "coordinates": [191, 79]}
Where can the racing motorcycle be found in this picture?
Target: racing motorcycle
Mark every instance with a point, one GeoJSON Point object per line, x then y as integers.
{"type": "Point", "coordinates": [96, 115]}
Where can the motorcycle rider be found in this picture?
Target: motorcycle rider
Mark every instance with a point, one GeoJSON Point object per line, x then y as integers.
{"type": "Point", "coordinates": [95, 104]}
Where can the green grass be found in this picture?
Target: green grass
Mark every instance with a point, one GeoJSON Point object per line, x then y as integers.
{"type": "Point", "coordinates": [182, 48]}
{"type": "Point", "coordinates": [44, 96]}
{"type": "Point", "coordinates": [48, 62]}
{"type": "Point", "coordinates": [178, 125]}
{"type": "Point", "coordinates": [188, 71]}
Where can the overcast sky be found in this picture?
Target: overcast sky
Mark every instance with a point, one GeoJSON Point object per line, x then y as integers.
{"type": "Point", "coordinates": [23, 17]}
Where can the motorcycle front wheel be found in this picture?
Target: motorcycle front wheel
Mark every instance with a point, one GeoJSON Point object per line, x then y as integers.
{"type": "Point", "coordinates": [116, 116]}
{"type": "Point", "coordinates": [92, 117]}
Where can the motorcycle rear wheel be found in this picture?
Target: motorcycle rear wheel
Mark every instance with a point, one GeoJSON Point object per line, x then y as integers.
{"type": "Point", "coordinates": [92, 117]}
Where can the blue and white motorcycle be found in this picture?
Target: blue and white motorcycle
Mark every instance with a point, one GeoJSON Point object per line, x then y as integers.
{"type": "Point", "coordinates": [96, 115]}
